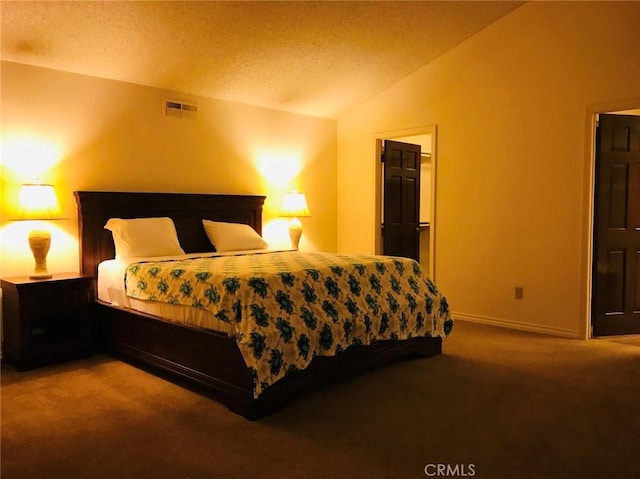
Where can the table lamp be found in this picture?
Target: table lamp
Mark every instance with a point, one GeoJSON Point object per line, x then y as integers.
{"type": "Point", "coordinates": [39, 202]}
{"type": "Point", "coordinates": [294, 206]}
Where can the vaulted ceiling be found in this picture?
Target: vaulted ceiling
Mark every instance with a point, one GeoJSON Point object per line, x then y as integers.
{"type": "Point", "coordinates": [317, 58]}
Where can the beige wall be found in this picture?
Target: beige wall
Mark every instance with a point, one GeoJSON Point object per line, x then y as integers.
{"type": "Point", "coordinates": [513, 109]}
{"type": "Point", "coordinates": [84, 133]}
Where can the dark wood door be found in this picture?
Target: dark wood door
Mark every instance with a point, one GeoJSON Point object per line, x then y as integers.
{"type": "Point", "coordinates": [401, 200]}
{"type": "Point", "coordinates": [616, 269]}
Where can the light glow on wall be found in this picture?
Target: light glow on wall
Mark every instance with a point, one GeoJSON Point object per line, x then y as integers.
{"type": "Point", "coordinates": [29, 157]}
{"type": "Point", "coordinates": [279, 168]}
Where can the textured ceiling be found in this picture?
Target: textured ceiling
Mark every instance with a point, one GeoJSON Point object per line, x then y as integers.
{"type": "Point", "coordinates": [316, 58]}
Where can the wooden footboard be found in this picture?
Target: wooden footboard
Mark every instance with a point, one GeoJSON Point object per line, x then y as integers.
{"type": "Point", "coordinates": [212, 362]}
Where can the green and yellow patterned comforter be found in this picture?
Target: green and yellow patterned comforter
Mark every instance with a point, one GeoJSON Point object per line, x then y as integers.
{"type": "Point", "coordinates": [287, 307]}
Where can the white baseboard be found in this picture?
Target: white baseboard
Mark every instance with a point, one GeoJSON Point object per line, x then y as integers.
{"type": "Point", "coordinates": [506, 323]}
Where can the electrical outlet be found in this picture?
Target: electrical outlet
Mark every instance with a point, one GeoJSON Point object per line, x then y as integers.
{"type": "Point", "coordinates": [519, 292]}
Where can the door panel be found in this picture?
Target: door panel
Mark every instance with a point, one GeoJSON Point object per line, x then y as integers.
{"type": "Point", "coordinates": [618, 196]}
{"type": "Point", "coordinates": [615, 282]}
{"type": "Point", "coordinates": [401, 206]}
{"type": "Point", "coordinates": [616, 275]}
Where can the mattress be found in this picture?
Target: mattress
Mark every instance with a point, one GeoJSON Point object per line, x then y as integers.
{"type": "Point", "coordinates": [111, 289]}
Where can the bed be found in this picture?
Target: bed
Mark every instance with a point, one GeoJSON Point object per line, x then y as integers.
{"type": "Point", "coordinates": [197, 356]}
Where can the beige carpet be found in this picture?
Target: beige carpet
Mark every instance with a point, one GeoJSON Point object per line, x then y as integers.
{"type": "Point", "coordinates": [496, 404]}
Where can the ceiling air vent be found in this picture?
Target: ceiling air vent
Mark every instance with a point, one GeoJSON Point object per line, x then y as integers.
{"type": "Point", "coordinates": [178, 109]}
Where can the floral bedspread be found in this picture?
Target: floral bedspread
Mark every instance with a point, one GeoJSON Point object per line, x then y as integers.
{"type": "Point", "coordinates": [290, 306]}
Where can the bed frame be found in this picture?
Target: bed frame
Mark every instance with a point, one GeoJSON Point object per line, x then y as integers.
{"type": "Point", "coordinates": [196, 357]}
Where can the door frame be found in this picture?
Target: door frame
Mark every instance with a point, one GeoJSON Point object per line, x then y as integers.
{"type": "Point", "coordinates": [591, 121]}
{"type": "Point", "coordinates": [378, 139]}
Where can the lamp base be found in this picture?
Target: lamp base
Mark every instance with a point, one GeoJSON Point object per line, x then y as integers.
{"type": "Point", "coordinates": [39, 242]}
{"type": "Point", "coordinates": [295, 232]}
{"type": "Point", "coordinates": [40, 276]}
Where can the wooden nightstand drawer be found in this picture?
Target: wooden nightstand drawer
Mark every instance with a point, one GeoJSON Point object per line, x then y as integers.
{"type": "Point", "coordinates": [58, 301]}
{"type": "Point", "coordinates": [46, 320]}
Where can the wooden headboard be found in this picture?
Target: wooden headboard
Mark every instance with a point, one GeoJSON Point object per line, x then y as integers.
{"type": "Point", "coordinates": [187, 211]}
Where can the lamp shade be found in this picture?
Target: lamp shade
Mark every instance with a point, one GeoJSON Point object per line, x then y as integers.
{"type": "Point", "coordinates": [39, 202]}
{"type": "Point", "coordinates": [294, 205]}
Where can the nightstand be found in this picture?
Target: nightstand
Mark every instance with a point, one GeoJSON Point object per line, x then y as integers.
{"type": "Point", "coordinates": [46, 320]}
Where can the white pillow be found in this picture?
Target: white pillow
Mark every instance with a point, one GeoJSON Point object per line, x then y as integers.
{"type": "Point", "coordinates": [141, 237]}
{"type": "Point", "coordinates": [232, 236]}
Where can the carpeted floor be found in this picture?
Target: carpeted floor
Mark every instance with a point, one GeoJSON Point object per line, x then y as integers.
{"type": "Point", "coordinates": [496, 404]}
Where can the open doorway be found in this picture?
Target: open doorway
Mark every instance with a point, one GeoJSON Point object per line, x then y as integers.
{"type": "Point", "coordinates": [425, 137]}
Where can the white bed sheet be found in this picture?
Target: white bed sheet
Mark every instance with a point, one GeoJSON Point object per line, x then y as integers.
{"type": "Point", "coordinates": [111, 289]}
